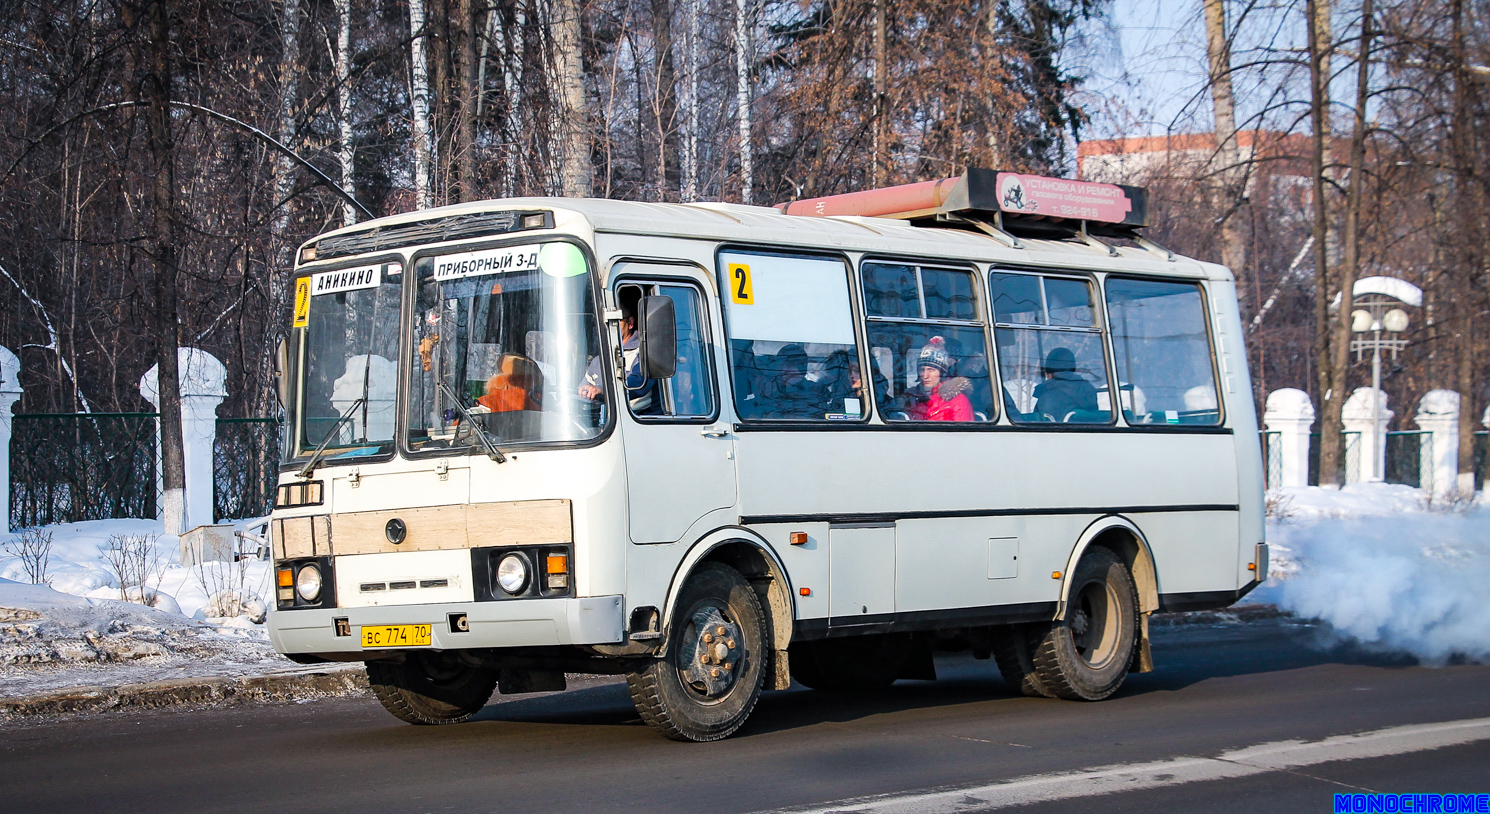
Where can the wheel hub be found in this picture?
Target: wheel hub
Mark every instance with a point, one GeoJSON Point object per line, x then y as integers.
{"type": "Point", "coordinates": [710, 655]}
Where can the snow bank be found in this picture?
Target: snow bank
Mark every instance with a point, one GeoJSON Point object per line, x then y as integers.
{"type": "Point", "coordinates": [79, 567]}
{"type": "Point", "coordinates": [1382, 569]}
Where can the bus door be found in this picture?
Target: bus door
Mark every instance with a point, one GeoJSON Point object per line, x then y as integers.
{"type": "Point", "coordinates": [679, 460]}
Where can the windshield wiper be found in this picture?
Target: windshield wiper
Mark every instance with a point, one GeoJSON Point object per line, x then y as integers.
{"type": "Point", "coordinates": [486, 440]}
{"type": "Point", "coordinates": [310, 465]}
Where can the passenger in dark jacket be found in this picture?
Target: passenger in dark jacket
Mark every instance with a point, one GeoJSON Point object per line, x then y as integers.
{"type": "Point", "coordinates": [1063, 391]}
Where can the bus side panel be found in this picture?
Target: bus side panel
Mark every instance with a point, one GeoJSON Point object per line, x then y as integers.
{"type": "Point", "coordinates": [1043, 488]}
{"type": "Point", "coordinates": [1242, 417]}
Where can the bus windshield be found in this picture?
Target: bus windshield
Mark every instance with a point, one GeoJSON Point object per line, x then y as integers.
{"type": "Point", "coordinates": [347, 322]}
{"type": "Point", "coordinates": [508, 332]}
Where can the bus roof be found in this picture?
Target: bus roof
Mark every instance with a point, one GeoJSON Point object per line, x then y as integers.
{"type": "Point", "coordinates": [759, 224]}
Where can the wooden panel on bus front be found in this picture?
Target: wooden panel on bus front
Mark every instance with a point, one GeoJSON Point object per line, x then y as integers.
{"type": "Point", "coordinates": [295, 537]}
{"type": "Point", "coordinates": [440, 528]}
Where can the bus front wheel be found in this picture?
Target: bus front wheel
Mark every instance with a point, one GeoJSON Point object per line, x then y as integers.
{"type": "Point", "coordinates": [709, 678]}
{"type": "Point", "coordinates": [1085, 656]}
{"type": "Point", "coordinates": [431, 688]}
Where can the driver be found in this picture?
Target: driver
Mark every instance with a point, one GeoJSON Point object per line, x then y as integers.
{"type": "Point", "coordinates": [641, 392]}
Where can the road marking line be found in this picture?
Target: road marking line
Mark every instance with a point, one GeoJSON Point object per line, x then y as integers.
{"type": "Point", "coordinates": [1251, 760]}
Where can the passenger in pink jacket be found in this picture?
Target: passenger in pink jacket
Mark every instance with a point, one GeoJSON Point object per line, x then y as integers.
{"type": "Point", "coordinates": [945, 395]}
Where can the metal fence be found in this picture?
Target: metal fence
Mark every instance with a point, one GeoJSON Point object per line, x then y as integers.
{"type": "Point", "coordinates": [71, 467]}
{"type": "Point", "coordinates": [245, 467]}
{"type": "Point", "coordinates": [1272, 459]}
{"type": "Point", "coordinates": [1349, 442]}
{"type": "Point", "coordinates": [1481, 442]}
{"type": "Point", "coordinates": [1404, 453]}
{"type": "Point", "coordinates": [66, 468]}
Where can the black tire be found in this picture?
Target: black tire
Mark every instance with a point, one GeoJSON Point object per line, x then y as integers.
{"type": "Point", "coordinates": [1013, 651]}
{"type": "Point", "coordinates": [430, 688]}
{"type": "Point", "coordinates": [686, 698]}
{"type": "Point", "coordinates": [851, 664]}
{"type": "Point", "coordinates": [1085, 656]}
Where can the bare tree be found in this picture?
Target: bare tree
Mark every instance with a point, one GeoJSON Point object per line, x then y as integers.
{"type": "Point", "coordinates": [573, 118]}
{"type": "Point", "coordinates": [419, 102]}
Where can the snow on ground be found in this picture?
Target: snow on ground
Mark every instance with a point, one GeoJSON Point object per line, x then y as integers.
{"type": "Point", "coordinates": [205, 619]}
{"type": "Point", "coordinates": [1384, 568]}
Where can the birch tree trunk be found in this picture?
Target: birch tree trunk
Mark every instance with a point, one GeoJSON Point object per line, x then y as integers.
{"type": "Point", "coordinates": [289, 92]}
{"type": "Point", "coordinates": [690, 107]}
{"type": "Point", "coordinates": [1331, 392]}
{"type": "Point", "coordinates": [344, 105]}
{"type": "Point", "coordinates": [574, 165]}
{"type": "Point", "coordinates": [742, 96]}
{"type": "Point", "coordinates": [419, 101]}
{"type": "Point", "coordinates": [1223, 106]}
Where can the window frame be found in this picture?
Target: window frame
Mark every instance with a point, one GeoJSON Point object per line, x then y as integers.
{"type": "Point", "coordinates": [983, 320]}
{"type": "Point", "coordinates": [710, 351]}
{"type": "Point", "coordinates": [406, 351]}
{"type": "Point", "coordinates": [1094, 279]}
{"type": "Point", "coordinates": [295, 338]}
{"type": "Point", "coordinates": [855, 309]}
{"type": "Point", "coordinates": [1201, 284]}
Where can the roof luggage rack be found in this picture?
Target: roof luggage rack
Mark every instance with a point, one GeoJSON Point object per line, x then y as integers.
{"type": "Point", "coordinates": [1003, 205]}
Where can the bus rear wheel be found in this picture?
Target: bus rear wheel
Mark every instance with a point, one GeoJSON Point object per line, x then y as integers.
{"type": "Point", "coordinates": [1014, 652]}
{"type": "Point", "coordinates": [1085, 656]}
{"type": "Point", "coordinates": [431, 688]}
{"type": "Point", "coordinates": [709, 678]}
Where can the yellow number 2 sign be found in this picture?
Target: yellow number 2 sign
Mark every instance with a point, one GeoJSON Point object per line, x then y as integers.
{"type": "Point", "coordinates": [302, 303]}
{"type": "Point", "coordinates": [739, 284]}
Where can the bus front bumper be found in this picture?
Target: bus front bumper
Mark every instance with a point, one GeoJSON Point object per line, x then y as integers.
{"type": "Point", "coordinates": [514, 623]}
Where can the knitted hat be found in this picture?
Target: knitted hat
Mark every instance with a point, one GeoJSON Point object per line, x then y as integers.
{"type": "Point", "coordinates": [1060, 360]}
{"type": "Point", "coordinates": [935, 355]}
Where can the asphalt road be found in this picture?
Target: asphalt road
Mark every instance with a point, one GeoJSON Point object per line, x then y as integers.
{"type": "Point", "coordinates": [1215, 690]}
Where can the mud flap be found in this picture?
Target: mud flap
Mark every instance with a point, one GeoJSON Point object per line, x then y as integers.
{"type": "Point", "coordinates": [1143, 658]}
{"type": "Point", "coordinates": [781, 672]}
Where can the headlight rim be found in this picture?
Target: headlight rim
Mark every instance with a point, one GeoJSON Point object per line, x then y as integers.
{"type": "Point", "coordinates": [526, 573]}
{"type": "Point", "coordinates": [320, 583]}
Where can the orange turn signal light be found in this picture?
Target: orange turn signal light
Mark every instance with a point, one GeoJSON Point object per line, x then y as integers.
{"type": "Point", "coordinates": [1251, 566]}
{"type": "Point", "coordinates": [285, 578]}
{"type": "Point", "coordinates": [799, 538]}
{"type": "Point", "coordinates": [1055, 575]}
{"type": "Point", "coordinates": [805, 591]}
{"type": "Point", "coordinates": [557, 563]}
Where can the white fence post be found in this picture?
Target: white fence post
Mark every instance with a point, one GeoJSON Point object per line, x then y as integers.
{"type": "Point", "coordinates": [1438, 414]}
{"type": "Point", "coordinates": [1357, 416]}
{"type": "Point", "coordinates": [203, 387]}
{"type": "Point", "coordinates": [1290, 414]}
{"type": "Point", "coordinates": [10, 393]}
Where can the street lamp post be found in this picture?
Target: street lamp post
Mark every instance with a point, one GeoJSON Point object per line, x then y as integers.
{"type": "Point", "coordinates": [1375, 315]}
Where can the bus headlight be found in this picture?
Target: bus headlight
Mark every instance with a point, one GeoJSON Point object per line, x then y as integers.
{"type": "Point", "coordinates": [308, 582]}
{"type": "Point", "coordinates": [512, 574]}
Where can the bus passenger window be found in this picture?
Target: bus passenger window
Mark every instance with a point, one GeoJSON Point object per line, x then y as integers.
{"type": "Point", "coordinates": [925, 365]}
{"type": "Point", "coordinates": [1050, 349]}
{"type": "Point", "coordinates": [791, 338]}
{"type": "Point", "coordinates": [1163, 352]}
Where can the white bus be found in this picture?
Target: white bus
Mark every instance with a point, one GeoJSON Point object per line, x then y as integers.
{"type": "Point", "coordinates": [716, 448]}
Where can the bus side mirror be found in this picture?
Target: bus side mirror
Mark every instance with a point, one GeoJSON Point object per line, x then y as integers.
{"type": "Point", "coordinates": [658, 326]}
{"type": "Point", "coordinates": [282, 372]}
